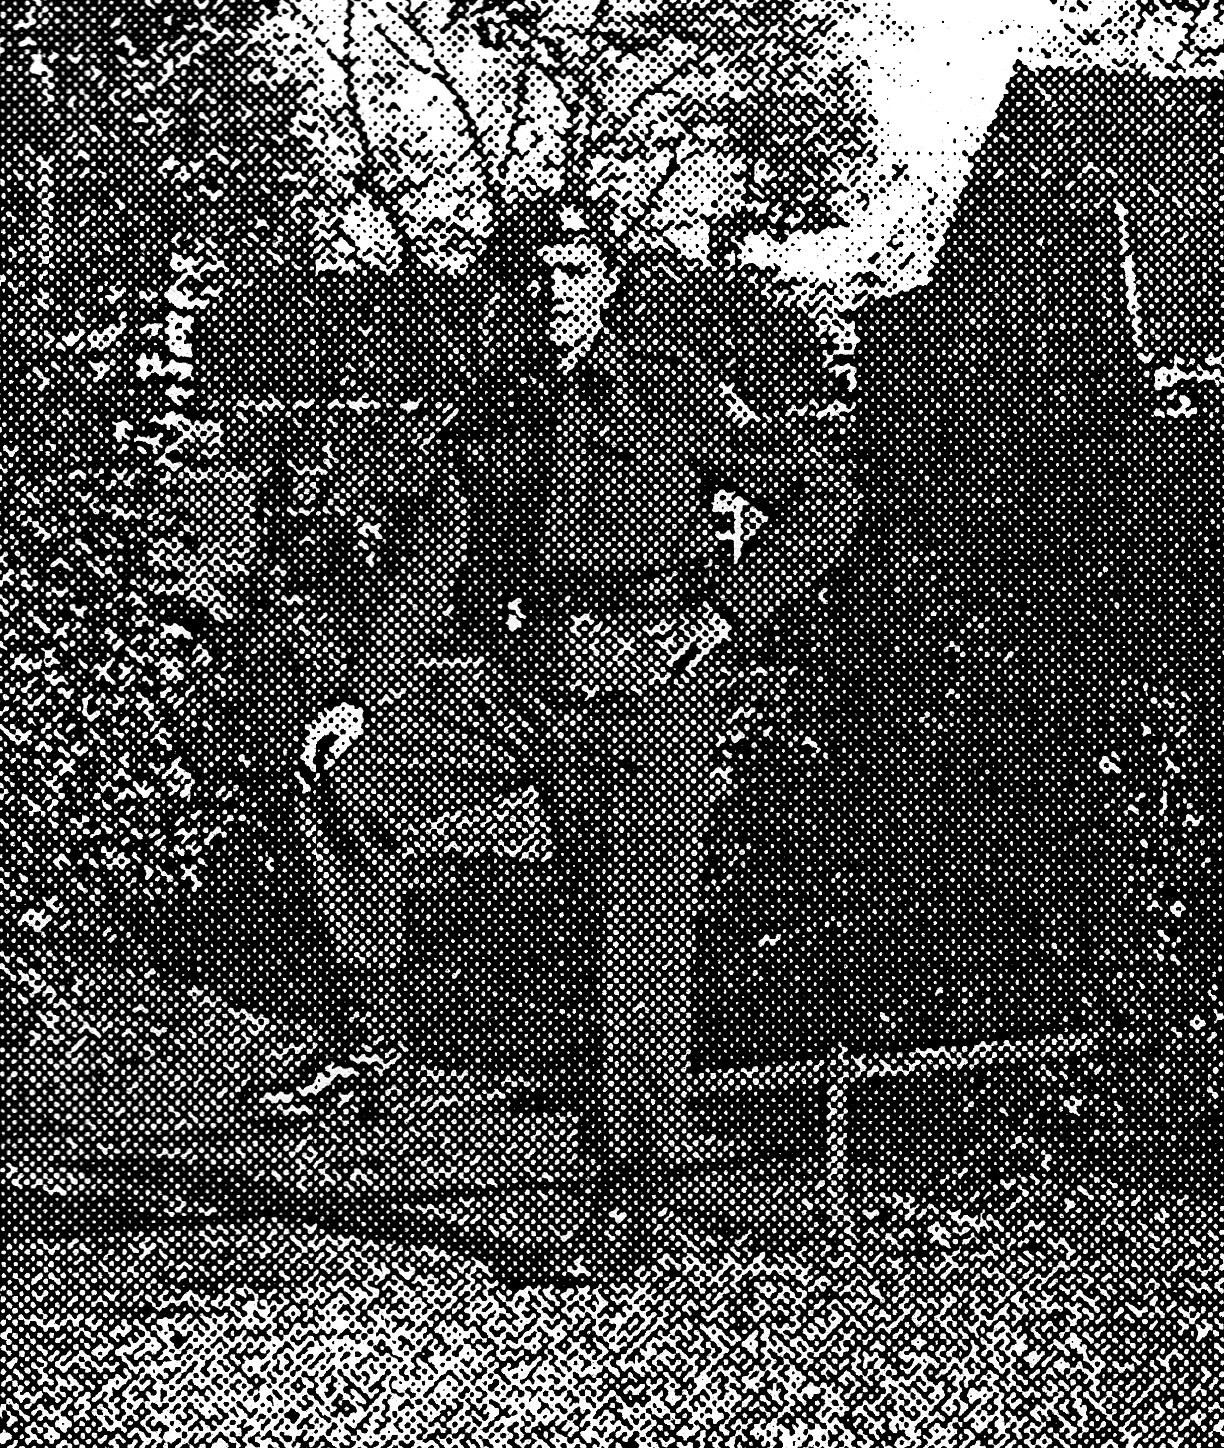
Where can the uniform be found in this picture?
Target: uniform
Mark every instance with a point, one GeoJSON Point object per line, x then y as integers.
{"type": "Point", "coordinates": [541, 684]}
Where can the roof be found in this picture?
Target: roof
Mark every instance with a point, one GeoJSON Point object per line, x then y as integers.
{"type": "Point", "coordinates": [1066, 147]}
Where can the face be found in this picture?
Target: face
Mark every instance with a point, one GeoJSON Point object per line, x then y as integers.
{"type": "Point", "coordinates": [582, 284]}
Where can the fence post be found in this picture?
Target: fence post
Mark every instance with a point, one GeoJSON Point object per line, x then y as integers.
{"type": "Point", "coordinates": [837, 1160]}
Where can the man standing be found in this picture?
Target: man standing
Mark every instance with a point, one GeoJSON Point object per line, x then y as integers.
{"type": "Point", "coordinates": [602, 559]}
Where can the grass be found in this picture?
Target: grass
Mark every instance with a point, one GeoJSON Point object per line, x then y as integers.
{"type": "Point", "coordinates": [1027, 1313]}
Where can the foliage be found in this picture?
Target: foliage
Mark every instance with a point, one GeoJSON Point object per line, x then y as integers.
{"type": "Point", "coordinates": [158, 172]}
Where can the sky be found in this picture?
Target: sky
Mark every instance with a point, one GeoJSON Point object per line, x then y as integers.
{"type": "Point", "coordinates": [936, 74]}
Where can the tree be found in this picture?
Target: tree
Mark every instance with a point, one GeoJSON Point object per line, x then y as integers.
{"type": "Point", "coordinates": [151, 172]}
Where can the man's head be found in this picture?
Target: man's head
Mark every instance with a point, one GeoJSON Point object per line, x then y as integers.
{"type": "Point", "coordinates": [583, 281]}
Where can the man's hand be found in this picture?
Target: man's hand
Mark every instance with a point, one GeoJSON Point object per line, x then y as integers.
{"type": "Point", "coordinates": [328, 736]}
{"type": "Point", "coordinates": [789, 553]}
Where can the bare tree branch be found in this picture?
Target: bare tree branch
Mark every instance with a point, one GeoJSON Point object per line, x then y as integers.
{"type": "Point", "coordinates": [372, 179]}
{"type": "Point", "coordinates": [516, 120]}
{"type": "Point", "coordinates": [638, 224]}
{"type": "Point", "coordinates": [657, 88]}
{"type": "Point", "coordinates": [444, 78]}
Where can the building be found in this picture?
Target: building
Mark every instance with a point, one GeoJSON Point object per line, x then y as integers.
{"type": "Point", "coordinates": [964, 857]}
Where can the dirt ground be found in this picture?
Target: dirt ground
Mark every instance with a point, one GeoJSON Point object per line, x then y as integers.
{"type": "Point", "coordinates": [1026, 1312]}
{"type": "Point", "coordinates": [187, 1279]}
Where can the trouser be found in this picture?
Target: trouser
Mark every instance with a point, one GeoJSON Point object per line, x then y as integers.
{"type": "Point", "coordinates": [626, 786]}
{"type": "Point", "coordinates": [642, 823]}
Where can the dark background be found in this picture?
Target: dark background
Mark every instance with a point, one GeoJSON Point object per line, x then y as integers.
{"type": "Point", "coordinates": [1040, 561]}
{"type": "Point", "coordinates": [1033, 588]}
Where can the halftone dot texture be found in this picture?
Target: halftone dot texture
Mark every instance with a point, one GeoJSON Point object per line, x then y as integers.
{"type": "Point", "coordinates": [609, 709]}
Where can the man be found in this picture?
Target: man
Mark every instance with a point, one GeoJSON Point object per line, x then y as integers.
{"type": "Point", "coordinates": [548, 674]}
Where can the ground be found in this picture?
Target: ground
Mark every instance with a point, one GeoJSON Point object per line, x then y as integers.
{"type": "Point", "coordinates": [1027, 1312]}
{"type": "Point", "coordinates": [174, 1275]}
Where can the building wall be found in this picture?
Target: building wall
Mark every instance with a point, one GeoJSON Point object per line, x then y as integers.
{"type": "Point", "coordinates": [948, 859]}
